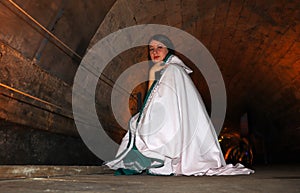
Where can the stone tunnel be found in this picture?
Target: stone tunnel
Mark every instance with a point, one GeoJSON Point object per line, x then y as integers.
{"type": "Point", "coordinates": [255, 44]}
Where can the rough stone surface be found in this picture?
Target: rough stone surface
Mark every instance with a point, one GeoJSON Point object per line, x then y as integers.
{"type": "Point", "coordinates": [275, 179]}
{"type": "Point", "coordinates": [20, 145]}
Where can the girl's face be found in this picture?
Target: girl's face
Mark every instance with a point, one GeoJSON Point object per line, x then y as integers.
{"type": "Point", "coordinates": [157, 51]}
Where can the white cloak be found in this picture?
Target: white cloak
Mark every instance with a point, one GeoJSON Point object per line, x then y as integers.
{"type": "Point", "coordinates": [173, 134]}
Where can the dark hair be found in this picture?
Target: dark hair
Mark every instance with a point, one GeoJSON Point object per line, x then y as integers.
{"type": "Point", "coordinates": [165, 40]}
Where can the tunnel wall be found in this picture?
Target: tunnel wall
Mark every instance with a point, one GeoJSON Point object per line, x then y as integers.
{"type": "Point", "coordinates": [36, 75]}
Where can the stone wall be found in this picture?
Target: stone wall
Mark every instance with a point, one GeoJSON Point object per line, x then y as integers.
{"type": "Point", "coordinates": [36, 77]}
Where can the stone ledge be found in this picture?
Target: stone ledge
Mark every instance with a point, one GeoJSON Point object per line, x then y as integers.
{"type": "Point", "coordinates": [30, 171]}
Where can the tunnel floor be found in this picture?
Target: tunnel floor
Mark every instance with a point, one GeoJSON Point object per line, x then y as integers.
{"type": "Point", "coordinates": [275, 178]}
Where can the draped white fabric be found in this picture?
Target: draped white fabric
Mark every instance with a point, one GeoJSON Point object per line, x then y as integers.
{"type": "Point", "coordinates": [175, 128]}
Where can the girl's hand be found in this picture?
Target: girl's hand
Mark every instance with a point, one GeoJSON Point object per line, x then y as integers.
{"type": "Point", "coordinates": [155, 68]}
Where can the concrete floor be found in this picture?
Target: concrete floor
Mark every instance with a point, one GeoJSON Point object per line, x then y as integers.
{"type": "Point", "coordinates": [269, 179]}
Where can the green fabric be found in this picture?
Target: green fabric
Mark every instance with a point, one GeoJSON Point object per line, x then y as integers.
{"type": "Point", "coordinates": [122, 171]}
{"type": "Point", "coordinates": [167, 56]}
{"type": "Point", "coordinates": [137, 162]}
{"type": "Point", "coordinates": [134, 158]}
